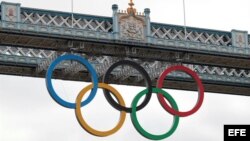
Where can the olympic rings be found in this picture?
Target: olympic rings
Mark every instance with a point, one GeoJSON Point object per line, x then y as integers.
{"type": "Point", "coordinates": [144, 74]}
{"type": "Point", "coordinates": [161, 94]}
{"type": "Point", "coordinates": [137, 124]}
{"type": "Point", "coordinates": [51, 89]}
{"type": "Point", "coordinates": [84, 123]}
{"type": "Point", "coordinates": [200, 90]}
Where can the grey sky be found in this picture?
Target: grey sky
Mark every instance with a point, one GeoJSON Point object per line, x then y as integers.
{"type": "Point", "coordinates": [28, 113]}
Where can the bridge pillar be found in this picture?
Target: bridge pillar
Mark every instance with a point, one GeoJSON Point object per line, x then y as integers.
{"type": "Point", "coordinates": [115, 21]}
{"type": "Point", "coordinates": [10, 15]}
{"type": "Point", "coordinates": [240, 40]}
{"type": "Point", "coordinates": [148, 25]}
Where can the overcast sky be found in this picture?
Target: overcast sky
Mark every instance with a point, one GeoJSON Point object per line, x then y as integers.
{"type": "Point", "coordinates": [28, 113]}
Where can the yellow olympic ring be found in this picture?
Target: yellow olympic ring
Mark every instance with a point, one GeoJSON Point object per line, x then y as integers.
{"type": "Point", "coordinates": [84, 124]}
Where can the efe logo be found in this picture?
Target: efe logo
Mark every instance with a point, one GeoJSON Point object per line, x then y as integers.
{"type": "Point", "coordinates": [237, 132]}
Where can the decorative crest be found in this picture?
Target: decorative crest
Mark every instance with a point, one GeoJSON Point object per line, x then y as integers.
{"type": "Point", "coordinates": [131, 10]}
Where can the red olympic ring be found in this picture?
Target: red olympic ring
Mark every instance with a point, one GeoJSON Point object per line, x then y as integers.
{"type": "Point", "coordinates": [198, 82]}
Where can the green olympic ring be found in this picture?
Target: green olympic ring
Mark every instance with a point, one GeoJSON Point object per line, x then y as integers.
{"type": "Point", "coordinates": [136, 123]}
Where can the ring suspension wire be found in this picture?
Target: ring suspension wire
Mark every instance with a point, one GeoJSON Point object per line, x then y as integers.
{"type": "Point", "coordinates": [184, 19]}
{"type": "Point", "coordinates": [72, 13]}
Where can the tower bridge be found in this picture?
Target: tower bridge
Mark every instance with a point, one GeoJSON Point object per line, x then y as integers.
{"type": "Point", "coordinates": [30, 39]}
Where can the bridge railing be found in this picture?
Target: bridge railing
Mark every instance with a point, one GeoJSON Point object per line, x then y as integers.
{"type": "Point", "coordinates": [174, 32]}
{"type": "Point", "coordinates": [63, 19]}
{"type": "Point", "coordinates": [15, 17]}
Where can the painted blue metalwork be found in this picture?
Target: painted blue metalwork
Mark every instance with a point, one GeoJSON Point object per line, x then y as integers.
{"type": "Point", "coordinates": [200, 30]}
{"type": "Point", "coordinates": [239, 38]}
{"type": "Point", "coordinates": [1, 12]}
{"type": "Point", "coordinates": [148, 24]}
{"type": "Point", "coordinates": [20, 60]}
{"type": "Point", "coordinates": [213, 77]}
{"type": "Point", "coordinates": [66, 14]}
{"type": "Point", "coordinates": [249, 41]}
{"type": "Point", "coordinates": [115, 21]}
{"type": "Point", "coordinates": [16, 11]}
{"type": "Point", "coordinates": [34, 61]}
{"type": "Point", "coordinates": [97, 30]}
{"type": "Point", "coordinates": [180, 44]}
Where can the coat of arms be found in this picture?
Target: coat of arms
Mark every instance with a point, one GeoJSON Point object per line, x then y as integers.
{"type": "Point", "coordinates": [132, 26]}
{"type": "Point", "coordinates": [240, 40]}
{"type": "Point", "coordinates": [11, 13]}
{"type": "Point", "coordinates": [132, 29]}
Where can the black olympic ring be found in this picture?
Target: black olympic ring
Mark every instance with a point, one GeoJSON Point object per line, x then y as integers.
{"type": "Point", "coordinates": [145, 76]}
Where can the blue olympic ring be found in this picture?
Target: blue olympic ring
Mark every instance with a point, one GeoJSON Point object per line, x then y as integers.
{"type": "Point", "coordinates": [51, 90]}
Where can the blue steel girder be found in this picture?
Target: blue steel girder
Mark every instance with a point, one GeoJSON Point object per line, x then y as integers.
{"type": "Point", "coordinates": [89, 35]}
{"type": "Point", "coordinates": [122, 50]}
{"type": "Point", "coordinates": [30, 60]}
{"type": "Point", "coordinates": [162, 36]}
